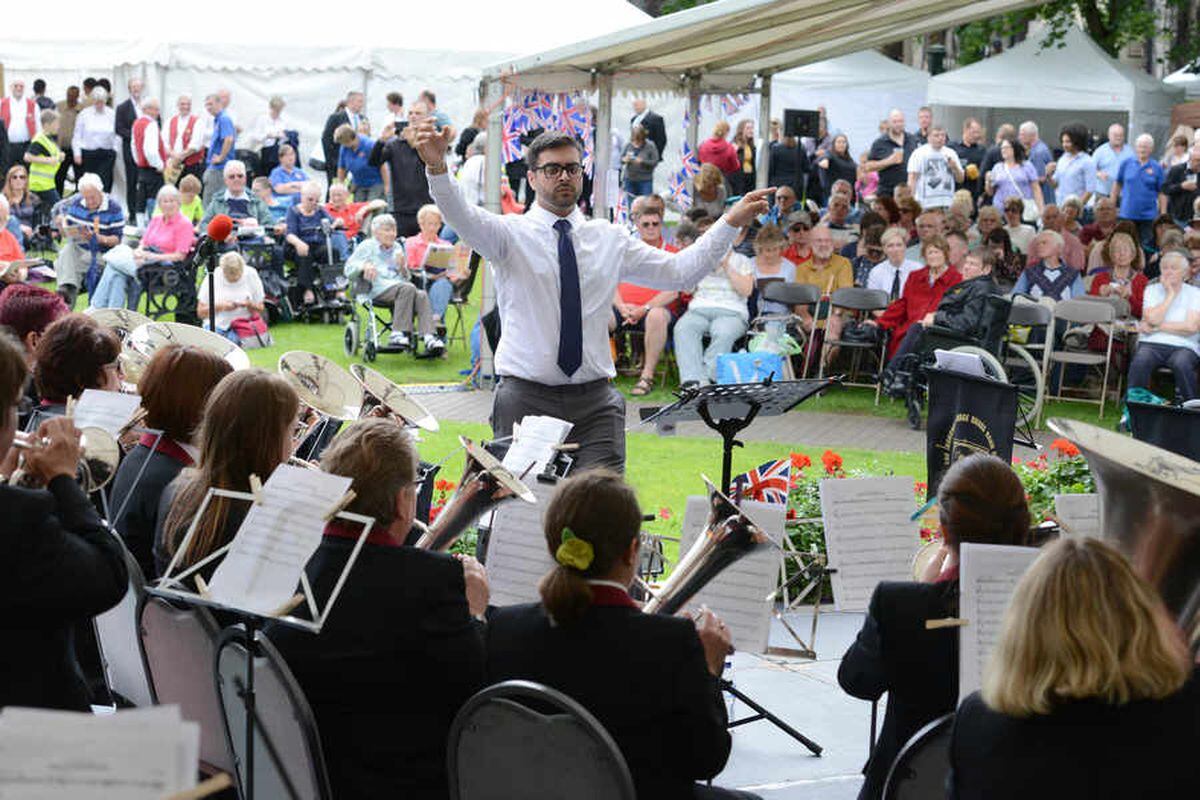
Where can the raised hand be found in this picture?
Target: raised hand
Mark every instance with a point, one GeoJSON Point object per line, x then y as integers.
{"type": "Point", "coordinates": [431, 144]}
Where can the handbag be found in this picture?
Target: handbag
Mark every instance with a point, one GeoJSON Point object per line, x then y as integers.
{"type": "Point", "coordinates": [1029, 212]}
{"type": "Point", "coordinates": [252, 331]}
{"type": "Point", "coordinates": [749, 367]}
{"type": "Point", "coordinates": [859, 332]}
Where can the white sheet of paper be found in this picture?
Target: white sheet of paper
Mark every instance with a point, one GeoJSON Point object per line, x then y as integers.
{"type": "Point", "coordinates": [869, 535]}
{"type": "Point", "coordinates": [133, 754]}
{"type": "Point", "coordinates": [276, 539]}
{"type": "Point", "coordinates": [517, 557]}
{"type": "Point", "coordinates": [106, 410]}
{"type": "Point", "coordinates": [987, 575]}
{"type": "Point", "coordinates": [738, 595]}
{"type": "Point", "coordinates": [1078, 513]}
{"type": "Point", "coordinates": [966, 363]}
{"type": "Point", "coordinates": [534, 443]}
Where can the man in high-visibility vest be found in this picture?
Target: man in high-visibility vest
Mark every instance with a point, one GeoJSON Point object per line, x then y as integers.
{"type": "Point", "coordinates": [44, 157]}
{"type": "Point", "coordinates": [149, 154]}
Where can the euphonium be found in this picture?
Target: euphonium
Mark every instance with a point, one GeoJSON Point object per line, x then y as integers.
{"type": "Point", "coordinates": [1150, 509]}
{"type": "Point", "coordinates": [382, 393]}
{"type": "Point", "coordinates": [728, 536]}
{"type": "Point", "coordinates": [485, 482]}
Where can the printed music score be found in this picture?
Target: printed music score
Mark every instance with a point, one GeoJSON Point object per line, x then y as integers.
{"type": "Point", "coordinates": [988, 573]}
{"type": "Point", "coordinates": [738, 593]}
{"type": "Point", "coordinates": [1078, 514]}
{"type": "Point", "coordinates": [517, 557]}
{"type": "Point", "coordinates": [869, 535]}
{"type": "Point", "coordinates": [106, 410]}
{"type": "Point", "coordinates": [276, 539]}
{"type": "Point", "coordinates": [533, 443]}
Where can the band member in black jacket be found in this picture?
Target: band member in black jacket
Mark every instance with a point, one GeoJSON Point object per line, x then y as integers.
{"type": "Point", "coordinates": [62, 565]}
{"type": "Point", "coordinates": [174, 389]}
{"type": "Point", "coordinates": [402, 649]}
{"type": "Point", "coordinates": [651, 681]}
{"type": "Point", "coordinates": [981, 500]}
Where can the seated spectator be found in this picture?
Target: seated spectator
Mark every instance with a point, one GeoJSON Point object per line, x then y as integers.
{"type": "Point", "coordinates": [964, 306]}
{"type": "Point", "coordinates": [638, 159]}
{"type": "Point", "coordinates": [981, 501]}
{"type": "Point", "coordinates": [868, 250]}
{"type": "Point", "coordinates": [1105, 221]}
{"type": "Point", "coordinates": [238, 295]}
{"type": "Point", "coordinates": [798, 225]}
{"type": "Point", "coordinates": [963, 204]}
{"type": "Point", "coordinates": [404, 615]}
{"type": "Point", "coordinates": [891, 275]}
{"type": "Point", "coordinates": [92, 223]}
{"type": "Point", "coordinates": [906, 317]}
{"type": "Point", "coordinates": [909, 210]}
{"type": "Point", "coordinates": [581, 639]}
{"type": "Point", "coordinates": [23, 204]}
{"type": "Point", "coordinates": [65, 565]}
{"type": "Point", "coordinates": [1050, 277]}
{"type": "Point", "coordinates": [350, 217]}
{"type": "Point", "coordinates": [1073, 254]}
{"type": "Point", "coordinates": [1099, 257]}
{"type": "Point", "coordinates": [169, 236]}
{"type": "Point", "coordinates": [174, 389]}
{"type": "Point", "coordinates": [989, 219]}
{"type": "Point", "coordinates": [250, 215]}
{"type": "Point", "coordinates": [118, 284]}
{"type": "Point", "coordinates": [354, 165]}
{"type": "Point", "coordinates": [1089, 675]}
{"type": "Point", "coordinates": [287, 179]}
{"type": "Point", "coordinates": [1170, 240]}
{"type": "Point", "coordinates": [1020, 233]}
{"type": "Point", "coordinates": [1072, 211]}
{"type": "Point", "coordinates": [74, 353]}
{"type": "Point", "coordinates": [770, 265]}
{"type": "Point", "coordinates": [306, 240]}
{"type": "Point", "coordinates": [717, 309]}
{"type": "Point", "coordinates": [1169, 330]}
{"type": "Point", "coordinates": [381, 262]}
{"type": "Point", "coordinates": [650, 311]}
{"type": "Point", "coordinates": [277, 205]}
{"type": "Point", "coordinates": [709, 193]}
{"type": "Point", "coordinates": [929, 224]}
{"type": "Point", "coordinates": [190, 203]}
{"type": "Point", "coordinates": [10, 249]}
{"type": "Point", "coordinates": [785, 204]}
{"type": "Point", "coordinates": [837, 219]}
{"type": "Point", "coordinates": [1122, 279]}
{"type": "Point", "coordinates": [1007, 264]}
{"type": "Point", "coordinates": [957, 240]}
{"type": "Point", "coordinates": [829, 272]}
{"type": "Point", "coordinates": [718, 151]}
{"type": "Point", "coordinates": [886, 207]}
{"type": "Point", "coordinates": [233, 445]}
{"type": "Point", "coordinates": [439, 282]}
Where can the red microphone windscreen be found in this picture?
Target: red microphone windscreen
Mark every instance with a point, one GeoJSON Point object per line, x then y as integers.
{"type": "Point", "coordinates": [220, 227]}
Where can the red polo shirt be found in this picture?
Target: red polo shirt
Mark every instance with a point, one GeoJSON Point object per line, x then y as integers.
{"type": "Point", "coordinates": [640, 295]}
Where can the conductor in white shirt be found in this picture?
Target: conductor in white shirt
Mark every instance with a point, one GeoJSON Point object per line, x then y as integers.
{"type": "Point", "coordinates": [556, 273]}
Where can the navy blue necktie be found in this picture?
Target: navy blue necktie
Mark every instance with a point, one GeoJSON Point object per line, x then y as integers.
{"type": "Point", "coordinates": [570, 332]}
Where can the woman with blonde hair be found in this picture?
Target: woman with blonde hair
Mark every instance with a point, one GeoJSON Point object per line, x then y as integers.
{"type": "Point", "coordinates": [742, 179]}
{"type": "Point", "coordinates": [1090, 691]}
{"type": "Point", "coordinates": [247, 429]}
{"type": "Point", "coordinates": [238, 295]}
{"type": "Point", "coordinates": [710, 191]}
{"type": "Point", "coordinates": [22, 203]}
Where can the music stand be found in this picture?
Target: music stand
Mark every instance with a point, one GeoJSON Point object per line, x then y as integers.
{"type": "Point", "coordinates": [729, 408]}
{"type": "Point", "coordinates": [170, 587]}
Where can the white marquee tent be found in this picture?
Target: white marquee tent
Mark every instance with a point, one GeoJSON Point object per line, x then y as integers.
{"type": "Point", "coordinates": [1053, 86]}
{"type": "Point", "coordinates": [1186, 79]}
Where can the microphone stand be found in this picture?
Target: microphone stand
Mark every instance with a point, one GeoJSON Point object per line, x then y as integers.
{"type": "Point", "coordinates": [211, 266]}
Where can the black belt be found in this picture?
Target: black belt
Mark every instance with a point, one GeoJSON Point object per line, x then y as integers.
{"type": "Point", "coordinates": [562, 388]}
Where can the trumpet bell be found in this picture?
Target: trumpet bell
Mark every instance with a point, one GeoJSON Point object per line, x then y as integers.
{"type": "Point", "coordinates": [101, 457]}
{"type": "Point", "coordinates": [393, 398]}
{"type": "Point", "coordinates": [490, 464]}
{"type": "Point", "coordinates": [322, 384]}
{"type": "Point", "coordinates": [925, 557]}
{"type": "Point", "coordinates": [121, 320]}
{"type": "Point", "coordinates": [145, 340]}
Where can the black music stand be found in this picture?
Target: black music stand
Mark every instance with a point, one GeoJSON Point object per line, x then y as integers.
{"type": "Point", "coordinates": [728, 409]}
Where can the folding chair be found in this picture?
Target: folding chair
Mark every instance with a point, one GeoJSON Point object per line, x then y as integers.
{"type": "Point", "coordinates": [522, 739]}
{"type": "Point", "coordinates": [288, 762]}
{"type": "Point", "coordinates": [120, 644]}
{"type": "Point", "coordinates": [457, 330]}
{"type": "Point", "coordinates": [1079, 312]}
{"type": "Point", "coordinates": [791, 295]}
{"type": "Point", "coordinates": [921, 766]}
{"type": "Point", "coordinates": [179, 645]}
{"type": "Point", "coordinates": [861, 301]}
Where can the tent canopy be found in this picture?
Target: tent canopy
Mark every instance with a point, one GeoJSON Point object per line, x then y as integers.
{"type": "Point", "coordinates": [1187, 79]}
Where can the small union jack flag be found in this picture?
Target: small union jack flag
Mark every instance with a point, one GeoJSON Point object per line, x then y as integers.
{"type": "Point", "coordinates": [687, 157]}
{"type": "Point", "coordinates": [510, 144]}
{"type": "Point", "coordinates": [576, 115]}
{"type": "Point", "coordinates": [680, 190]}
{"type": "Point", "coordinates": [767, 484]}
{"type": "Point", "coordinates": [622, 212]}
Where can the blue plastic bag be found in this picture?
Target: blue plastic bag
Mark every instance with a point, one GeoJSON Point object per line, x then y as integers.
{"type": "Point", "coordinates": [749, 367]}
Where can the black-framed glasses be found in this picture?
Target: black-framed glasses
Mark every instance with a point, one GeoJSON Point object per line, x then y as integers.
{"type": "Point", "coordinates": [650, 223]}
{"type": "Point", "coordinates": [554, 171]}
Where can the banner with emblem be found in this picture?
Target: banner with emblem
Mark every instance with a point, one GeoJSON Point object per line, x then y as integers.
{"type": "Point", "coordinates": [967, 415]}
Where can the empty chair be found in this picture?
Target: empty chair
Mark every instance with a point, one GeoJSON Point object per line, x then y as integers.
{"type": "Point", "coordinates": [861, 301]}
{"type": "Point", "coordinates": [922, 765]}
{"type": "Point", "coordinates": [520, 739]}
{"type": "Point", "coordinates": [288, 763]}
{"type": "Point", "coordinates": [1080, 312]}
{"type": "Point", "coordinates": [120, 645]}
{"type": "Point", "coordinates": [179, 646]}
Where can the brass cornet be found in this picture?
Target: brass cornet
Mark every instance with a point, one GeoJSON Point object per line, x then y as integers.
{"type": "Point", "coordinates": [100, 456]}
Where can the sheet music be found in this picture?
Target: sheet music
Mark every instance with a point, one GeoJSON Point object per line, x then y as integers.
{"type": "Point", "coordinates": [517, 557]}
{"type": "Point", "coordinates": [135, 754]}
{"type": "Point", "coordinates": [987, 575]}
{"type": "Point", "coordinates": [533, 443]}
{"type": "Point", "coordinates": [738, 594]}
{"type": "Point", "coordinates": [1079, 514]}
{"type": "Point", "coordinates": [438, 256]}
{"type": "Point", "coordinates": [965, 363]}
{"type": "Point", "coordinates": [869, 535]}
{"type": "Point", "coordinates": [276, 539]}
{"type": "Point", "coordinates": [106, 410]}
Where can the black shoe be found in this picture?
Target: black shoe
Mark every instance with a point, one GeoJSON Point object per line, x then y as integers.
{"type": "Point", "coordinates": [913, 402]}
{"type": "Point", "coordinates": [688, 386]}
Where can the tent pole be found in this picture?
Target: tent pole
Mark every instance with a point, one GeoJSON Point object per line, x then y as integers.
{"type": "Point", "coordinates": [490, 92]}
{"type": "Point", "coordinates": [764, 133]}
{"type": "Point", "coordinates": [603, 147]}
{"type": "Point", "coordinates": [693, 126]}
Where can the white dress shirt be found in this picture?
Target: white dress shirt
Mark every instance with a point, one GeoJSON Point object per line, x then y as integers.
{"type": "Point", "coordinates": [196, 142]}
{"type": "Point", "coordinates": [94, 130]}
{"type": "Point", "coordinates": [267, 132]}
{"type": "Point", "coordinates": [523, 251]}
{"type": "Point", "coordinates": [18, 129]}
{"type": "Point", "coordinates": [881, 275]}
{"type": "Point", "coordinates": [150, 142]}
{"type": "Point", "coordinates": [471, 178]}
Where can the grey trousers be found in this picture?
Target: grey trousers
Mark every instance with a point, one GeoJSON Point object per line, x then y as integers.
{"type": "Point", "coordinates": [403, 297]}
{"type": "Point", "coordinates": [214, 181]}
{"type": "Point", "coordinates": [596, 409]}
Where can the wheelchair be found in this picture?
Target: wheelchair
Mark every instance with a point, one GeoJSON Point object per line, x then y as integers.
{"type": "Point", "coordinates": [1003, 360]}
{"type": "Point", "coordinates": [370, 327]}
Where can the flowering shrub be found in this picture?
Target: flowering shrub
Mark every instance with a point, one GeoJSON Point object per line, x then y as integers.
{"type": "Point", "coordinates": [443, 490]}
{"type": "Point", "coordinates": [1043, 477]}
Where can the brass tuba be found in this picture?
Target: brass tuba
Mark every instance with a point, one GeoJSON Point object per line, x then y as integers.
{"type": "Point", "coordinates": [385, 394]}
{"type": "Point", "coordinates": [485, 482]}
{"type": "Point", "coordinates": [1150, 509]}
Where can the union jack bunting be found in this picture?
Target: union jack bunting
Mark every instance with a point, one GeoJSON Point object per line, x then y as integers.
{"type": "Point", "coordinates": [730, 103]}
{"type": "Point", "coordinates": [621, 217]}
{"type": "Point", "coordinates": [680, 190]}
{"type": "Point", "coordinates": [510, 144]}
{"type": "Point", "coordinates": [767, 484]}
{"type": "Point", "coordinates": [687, 157]}
{"type": "Point", "coordinates": [575, 115]}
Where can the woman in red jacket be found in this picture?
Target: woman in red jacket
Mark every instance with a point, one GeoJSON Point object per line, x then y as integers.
{"type": "Point", "coordinates": [1122, 279]}
{"type": "Point", "coordinates": [719, 152]}
{"type": "Point", "coordinates": [923, 291]}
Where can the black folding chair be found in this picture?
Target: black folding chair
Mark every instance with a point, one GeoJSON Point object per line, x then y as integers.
{"type": "Point", "coordinates": [922, 765]}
